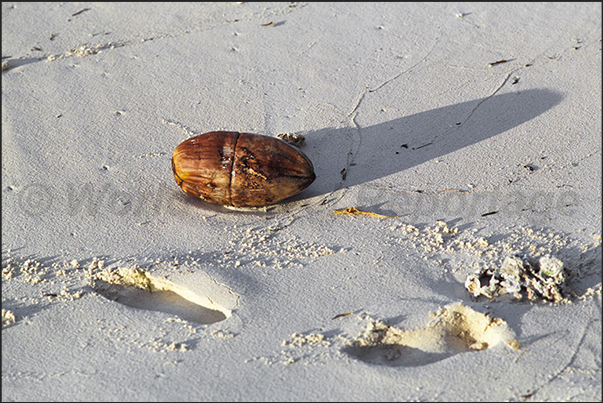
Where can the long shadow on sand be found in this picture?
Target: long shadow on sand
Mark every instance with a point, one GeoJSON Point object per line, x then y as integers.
{"type": "Point", "coordinates": [352, 156]}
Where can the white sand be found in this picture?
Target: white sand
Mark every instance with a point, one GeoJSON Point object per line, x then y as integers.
{"type": "Point", "coordinates": [408, 99]}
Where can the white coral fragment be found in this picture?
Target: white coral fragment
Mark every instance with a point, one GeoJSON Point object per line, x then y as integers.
{"type": "Point", "coordinates": [518, 278]}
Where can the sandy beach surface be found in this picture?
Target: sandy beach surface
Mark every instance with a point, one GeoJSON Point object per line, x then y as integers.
{"type": "Point", "coordinates": [469, 135]}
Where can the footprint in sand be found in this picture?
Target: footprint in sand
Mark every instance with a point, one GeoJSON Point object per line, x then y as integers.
{"type": "Point", "coordinates": [453, 329]}
{"type": "Point", "coordinates": [136, 288]}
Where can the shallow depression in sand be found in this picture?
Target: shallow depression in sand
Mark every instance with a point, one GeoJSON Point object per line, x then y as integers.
{"type": "Point", "coordinates": [453, 329]}
{"type": "Point", "coordinates": [134, 287]}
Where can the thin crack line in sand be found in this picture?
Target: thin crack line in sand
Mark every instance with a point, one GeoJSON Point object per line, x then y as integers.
{"type": "Point", "coordinates": [354, 113]}
{"type": "Point", "coordinates": [230, 291]}
{"type": "Point", "coordinates": [531, 393]}
{"type": "Point", "coordinates": [436, 40]}
{"type": "Point", "coordinates": [179, 125]}
{"type": "Point", "coordinates": [352, 153]}
{"type": "Point", "coordinates": [491, 95]}
{"type": "Point", "coordinates": [349, 161]}
{"type": "Point", "coordinates": [544, 60]}
{"type": "Point", "coordinates": [362, 96]}
{"type": "Point", "coordinates": [88, 49]}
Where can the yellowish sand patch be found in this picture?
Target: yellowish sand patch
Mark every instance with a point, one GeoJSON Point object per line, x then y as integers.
{"type": "Point", "coordinates": [136, 288]}
{"type": "Point", "coordinates": [453, 329]}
